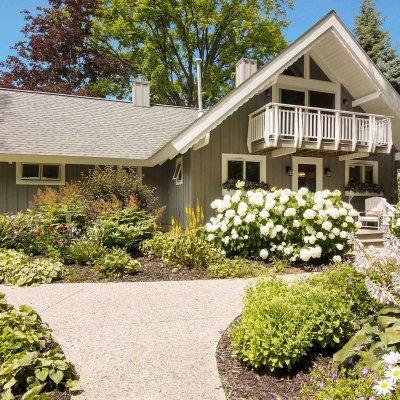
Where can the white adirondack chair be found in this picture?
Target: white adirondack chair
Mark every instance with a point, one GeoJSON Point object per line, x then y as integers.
{"type": "Point", "coordinates": [376, 208]}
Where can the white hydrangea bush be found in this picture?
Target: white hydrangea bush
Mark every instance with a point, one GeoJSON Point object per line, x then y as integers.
{"type": "Point", "coordinates": [283, 224]}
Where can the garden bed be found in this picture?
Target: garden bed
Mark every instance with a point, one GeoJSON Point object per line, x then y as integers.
{"type": "Point", "coordinates": [240, 382]}
{"type": "Point", "coordinates": [153, 270]}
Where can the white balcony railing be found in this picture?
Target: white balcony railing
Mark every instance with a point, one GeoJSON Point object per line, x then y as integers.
{"type": "Point", "coordinates": [279, 123]}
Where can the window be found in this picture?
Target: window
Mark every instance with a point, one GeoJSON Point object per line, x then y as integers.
{"type": "Point", "coordinates": [358, 171]}
{"type": "Point", "coordinates": [30, 171]}
{"type": "Point", "coordinates": [243, 167]}
{"type": "Point", "coordinates": [40, 174]}
{"type": "Point", "coordinates": [295, 97]}
{"type": "Point", "coordinates": [321, 99]}
{"type": "Point", "coordinates": [296, 69]}
{"type": "Point", "coordinates": [178, 173]}
{"type": "Point", "coordinates": [316, 72]}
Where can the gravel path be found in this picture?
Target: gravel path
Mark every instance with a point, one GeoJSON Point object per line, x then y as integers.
{"type": "Point", "coordinates": [141, 340]}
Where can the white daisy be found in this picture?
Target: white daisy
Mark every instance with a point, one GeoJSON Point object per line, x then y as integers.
{"type": "Point", "coordinates": [393, 374]}
{"type": "Point", "coordinates": [391, 358]}
{"type": "Point", "coordinates": [383, 387]}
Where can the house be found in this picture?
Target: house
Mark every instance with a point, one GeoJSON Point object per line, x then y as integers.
{"type": "Point", "coordinates": [319, 115]}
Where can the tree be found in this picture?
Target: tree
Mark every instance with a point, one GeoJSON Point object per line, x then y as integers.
{"type": "Point", "coordinates": [376, 42]}
{"type": "Point", "coordinates": [162, 38]}
{"type": "Point", "coordinates": [56, 54]}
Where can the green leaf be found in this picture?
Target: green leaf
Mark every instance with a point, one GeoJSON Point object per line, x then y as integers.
{"type": "Point", "coordinates": [41, 373]}
{"type": "Point", "coordinates": [390, 336]}
{"type": "Point", "coordinates": [31, 393]}
{"type": "Point", "coordinates": [56, 376]}
{"type": "Point", "coordinates": [73, 385]}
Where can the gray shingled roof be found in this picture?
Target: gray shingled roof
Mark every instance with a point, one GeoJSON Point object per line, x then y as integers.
{"type": "Point", "coordinates": [52, 124]}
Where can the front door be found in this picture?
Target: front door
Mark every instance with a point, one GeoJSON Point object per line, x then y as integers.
{"type": "Point", "coordinates": [307, 172]}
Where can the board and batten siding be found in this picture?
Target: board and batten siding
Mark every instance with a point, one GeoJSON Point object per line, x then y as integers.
{"type": "Point", "coordinates": [14, 198]}
{"type": "Point", "coordinates": [173, 197]}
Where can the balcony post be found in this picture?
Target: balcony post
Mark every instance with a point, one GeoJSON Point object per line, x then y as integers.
{"type": "Point", "coordinates": [354, 133]}
{"type": "Point", "coordinates": [249, 134]}
{"type": "Point", "coordinates": [296, 127]}
{"type": "Point", "coordinates": [301, 128]}
{"type": "Point", "coordinates": [276, 125]}
{"type": "Point", "coordinates": [389, 135]}
{"type": "Point", "coordinates": [319, 130]}
{"type": "Point", "coordinates": [337, 130]}
{"type": "Point", "coordinates": [372, 133]}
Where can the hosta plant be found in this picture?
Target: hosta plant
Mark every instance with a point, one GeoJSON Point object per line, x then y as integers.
{"type": "Point", "coordinates": [381, 268]}
{"type": "Point", "coordinates": [27, 367]}
{"type": "Point", "coordinates": [16, 268]}
{"type": "Point", "coordinates": [297, 226]}
{"type": "Point", "coordinates": [116, 264]}
{"type": "Point", "coordinates": [378, 335]}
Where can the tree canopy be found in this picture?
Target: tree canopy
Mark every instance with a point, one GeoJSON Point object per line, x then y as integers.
{"type": "Point", "coordinates": [56, 54]}
{"type": "Point", "coordinates": [161, 39]}
{"type": "Point", "coordinates": [377, 43]}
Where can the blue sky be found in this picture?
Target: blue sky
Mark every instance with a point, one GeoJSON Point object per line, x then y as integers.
{"type": "Point", "coordinates": [302, 16]}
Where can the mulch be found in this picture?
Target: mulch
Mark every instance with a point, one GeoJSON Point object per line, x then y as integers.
{"type": "Point", "coordinates": [153, 270]}
{"type": "Point", "coordinates": [242, 383]}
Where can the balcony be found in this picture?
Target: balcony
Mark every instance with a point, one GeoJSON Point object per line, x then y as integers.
{"type": "Point", "coordinates": [283, 125]}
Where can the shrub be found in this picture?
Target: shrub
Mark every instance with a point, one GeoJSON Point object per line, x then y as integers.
{"type": "Point", "coordinates": [27, 369]}
{"type": "Point", "coordinates": [124, 185]}
{"type": "Point", "coordinates": [7, 235]}
{"type": "Point", "coordinates": [16, 268]}
{"type": "Point", "coordinates": [281, 324]}
{"type": "Point", "coordinates": [188, 249]}
{"type": "Point", "coordinates": [36, 234]}
{"type": "Point", "coordinates": [236, 268]}
{"type": "Point", "coordinates": [125, 229]}
{"type": "Point", "coordinates": [64, 205]}
{"type": "Point", "coordinates": [85, 251]}
{"type": "Point", "coordinates": [297, 226]}
{"type": "Point", "coordinates": [116, 264]}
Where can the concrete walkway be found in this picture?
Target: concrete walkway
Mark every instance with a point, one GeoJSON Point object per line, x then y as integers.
{"type": "Point", "coordinates": [137, 341]}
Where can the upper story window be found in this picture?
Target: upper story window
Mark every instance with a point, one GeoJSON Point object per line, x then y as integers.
{"type": "Point", "coordinates": [296, 69]}
{"type": "Point", "coordinates": [40, 174]}
{"type": "Point", "coordinates": [178, 172]}
{"type": "Point", "coordinates": [316, 72]}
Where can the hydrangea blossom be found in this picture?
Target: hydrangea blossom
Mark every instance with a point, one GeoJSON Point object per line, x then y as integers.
{"type": "Point", "coordinates": [299, 226]}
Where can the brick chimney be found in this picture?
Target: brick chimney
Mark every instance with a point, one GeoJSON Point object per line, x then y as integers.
{"type": "Point", "coordinates": [245, 68]}
{"type": "Point", "coordinates": [141, 92]}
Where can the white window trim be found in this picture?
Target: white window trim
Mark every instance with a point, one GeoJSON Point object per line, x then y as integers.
{"type": "Point", "coordinates": [318, 162]}
{"type": "Point", "coordinates": [362, 163]}
{"type": "Point", "coordinates": [40, 181]}
{"type": "Point", "coordinates": [244, 157]}
{"type": "Point", "coordinates": [178, 167]}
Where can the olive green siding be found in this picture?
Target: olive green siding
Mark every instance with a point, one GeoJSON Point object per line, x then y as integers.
{"type": "Point", "coordinates": [174, 197]}
{"type": "Point", "coordinates": [15, 197]}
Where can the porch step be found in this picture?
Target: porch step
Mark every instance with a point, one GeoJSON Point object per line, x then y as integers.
{"type": "Point", "coordinates": [370, 237]}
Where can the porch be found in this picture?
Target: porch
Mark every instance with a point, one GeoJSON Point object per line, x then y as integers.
{"type": "Point", "coordinates": [277, 126]}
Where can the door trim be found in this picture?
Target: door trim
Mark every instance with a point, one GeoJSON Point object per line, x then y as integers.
{"type": "Point", "coordinates": [318, 162]}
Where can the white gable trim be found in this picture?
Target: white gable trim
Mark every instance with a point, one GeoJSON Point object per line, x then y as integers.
{"type": "Point", "coordinates": [268, 75]}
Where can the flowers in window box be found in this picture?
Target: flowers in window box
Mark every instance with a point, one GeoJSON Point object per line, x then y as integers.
{"type": "Point", "coordinates": [232, 184]}
{"type": "Point", "coordinates": [364, 187]}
